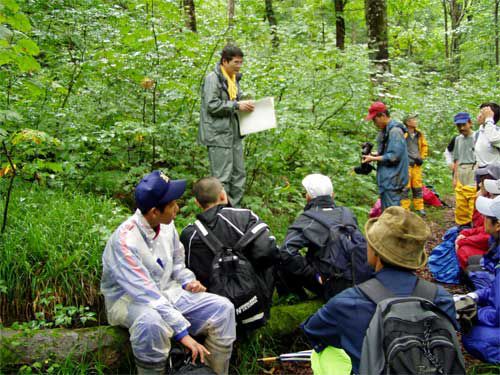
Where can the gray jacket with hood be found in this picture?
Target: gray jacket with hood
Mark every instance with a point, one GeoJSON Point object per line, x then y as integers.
{"type": "Point", "coordinates": [219, 119]}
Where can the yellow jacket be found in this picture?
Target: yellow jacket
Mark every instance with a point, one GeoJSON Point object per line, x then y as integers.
{"type": "Point", "coordinates": [423, 148]}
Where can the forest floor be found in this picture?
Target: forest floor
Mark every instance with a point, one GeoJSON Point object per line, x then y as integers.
{"type": "Point", "coordinates": [439, 221]}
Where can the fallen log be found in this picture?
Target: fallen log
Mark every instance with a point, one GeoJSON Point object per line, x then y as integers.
{"type": "Point", "coordinates": [110, 345]}
{"type": "Point", "coordinates": [285, 319]}
{"type": "Point", "coordinates": [104, 344]}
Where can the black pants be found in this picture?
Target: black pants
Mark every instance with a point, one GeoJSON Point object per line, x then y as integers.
{"type": "Point", "coordinates": [287, 283]}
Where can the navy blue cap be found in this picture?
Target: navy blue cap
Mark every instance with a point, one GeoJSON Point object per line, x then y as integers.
{"type": "Point", "coordinates": [461, 118]}
{"type": "Point", "coordinates": [156, 189]}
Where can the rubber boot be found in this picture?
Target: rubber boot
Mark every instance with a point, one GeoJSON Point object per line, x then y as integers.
{"type": "Point", "coordinates": [219, 357]}
{"type": "Point", "coordinates": [150, 368]}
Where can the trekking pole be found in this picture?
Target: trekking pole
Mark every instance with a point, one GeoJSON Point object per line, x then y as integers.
{"type": "Point", "coordinates": [302, 356]}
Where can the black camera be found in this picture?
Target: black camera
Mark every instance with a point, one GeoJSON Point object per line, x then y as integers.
{"type": "Point", "coordinates": [366, 148]}
{"type": "Point", "coordinates": [365, 168]}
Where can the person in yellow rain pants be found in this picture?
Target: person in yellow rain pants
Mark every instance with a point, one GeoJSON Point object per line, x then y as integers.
{"type": "Point", "coordinates": [463, 170]}
{"type": "Point", "coordinates": [417, 152]}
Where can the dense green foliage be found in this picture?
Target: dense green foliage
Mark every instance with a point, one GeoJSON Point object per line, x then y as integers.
{"type": "Point", "coordinates": [78, 124]}
{"type": "Point", "coordinates": [52, 252]}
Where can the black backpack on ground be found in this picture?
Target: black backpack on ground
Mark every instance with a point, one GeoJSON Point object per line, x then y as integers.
{"type": "Point", "coordinates": [409, 335]}
{"type": "Point", "coordinates": [179, 363]}
{"type": "Point", "coordinates": [342, 262]}
{"type": "Point", "coordinates": [234, 277]}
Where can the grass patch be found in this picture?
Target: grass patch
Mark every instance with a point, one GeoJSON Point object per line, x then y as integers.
{"type": "Point", "coordinates": [51, 250]}
{"type": "Point", "coordinates": [484, 369]}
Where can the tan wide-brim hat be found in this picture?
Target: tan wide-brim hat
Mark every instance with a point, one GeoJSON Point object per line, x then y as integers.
{"type": "Point", "coordinates": [398, 236]}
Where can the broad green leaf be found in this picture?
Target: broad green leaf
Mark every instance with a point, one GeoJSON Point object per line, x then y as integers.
{"type": "Point", "coordinates": [20, 22]}
{"type": "Point", "coordinates": [10, 5]}
{"type": "Point", "coordinates": [29, 46]}
{"type": "Point", "coordinates": [5, 57]}
{"type": "Point", "coordinates": [27, 63]}
{"type": "Point", "coordinates": [51, 166]}
{"type": "Point", "coordinates": [34, 87]}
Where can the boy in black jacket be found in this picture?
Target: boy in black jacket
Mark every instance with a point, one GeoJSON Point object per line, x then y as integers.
{"type": "Point", "coordinates": [228, 225]}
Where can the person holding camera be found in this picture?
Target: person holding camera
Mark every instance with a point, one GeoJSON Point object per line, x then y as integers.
{"type": "Point", "coordinates": [392, 156]}
{"type": "Point", "coordinates": [417, 152]}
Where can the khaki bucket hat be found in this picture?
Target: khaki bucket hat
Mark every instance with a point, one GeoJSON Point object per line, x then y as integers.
{"type": "Point", "coordinates": [398, 237]}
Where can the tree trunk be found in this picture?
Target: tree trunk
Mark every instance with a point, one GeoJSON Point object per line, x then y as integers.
{"type": "Point", "coordinates": [230, 12]}
{"type": "Point", "coordinates": [456, 16]}
{"type": "Point", "coordinates": [340, 24]}
{"type": "Point", "coordinates": [273, 23]}
{"type": "Point", "coordinates": [376, 21]}
{"type": "Point", "coordinates": [190, 12]}
{"type": "Point", "coordinates": [458, 10]}
{"type": "Point", "coordinates": [497, 37]}
{"type": "Point", "coordinates": [446, 43]}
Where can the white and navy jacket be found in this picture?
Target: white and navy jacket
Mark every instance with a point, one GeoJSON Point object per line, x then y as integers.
{"type": "Point", "coordinates": [148, 266]}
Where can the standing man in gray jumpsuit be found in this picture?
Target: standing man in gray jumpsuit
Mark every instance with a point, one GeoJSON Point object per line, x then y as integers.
{"type": "Point", "coordinates": [220, 124]}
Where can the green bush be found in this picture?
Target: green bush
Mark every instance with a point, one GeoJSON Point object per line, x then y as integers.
{"type": "Point", "coordinates": [52, 247]}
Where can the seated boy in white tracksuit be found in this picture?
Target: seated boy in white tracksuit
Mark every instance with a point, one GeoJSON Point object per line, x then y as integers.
{"type": "Point", "coordinates": [148, 289]}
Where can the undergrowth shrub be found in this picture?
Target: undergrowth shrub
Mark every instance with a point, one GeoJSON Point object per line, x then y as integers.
{"type": "Point", "coordinates": [53, 245]}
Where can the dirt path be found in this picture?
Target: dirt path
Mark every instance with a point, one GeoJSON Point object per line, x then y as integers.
{"type": "Point", "coordinates": [438, 228]}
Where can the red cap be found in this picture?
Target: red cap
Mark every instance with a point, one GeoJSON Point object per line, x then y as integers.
{"type": "Point", "coordinates": [375, 108]}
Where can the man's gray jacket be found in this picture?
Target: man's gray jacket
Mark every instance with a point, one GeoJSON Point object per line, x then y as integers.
{"type": "Point", "coordinates": [219, 119]}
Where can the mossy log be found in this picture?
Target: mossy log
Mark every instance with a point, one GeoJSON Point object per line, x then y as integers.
{"type": "Point", "coordinates": [110, 345]}
{"type": "Point", "coordinates": [285, 319]}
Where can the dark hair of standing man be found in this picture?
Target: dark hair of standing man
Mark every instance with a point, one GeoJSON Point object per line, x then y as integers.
{"type": "Point", "coordinates": [230, 51]}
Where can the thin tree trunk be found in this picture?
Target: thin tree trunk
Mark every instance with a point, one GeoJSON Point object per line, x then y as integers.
{"type": "Point", "coordinates": [230, 12]}
{"type": "Point", "coordinates": [273, 23]}
{"type": "Point", "coordinates": [497, 56]}
{"type": "Point", "coordinates": [446, 43]}
{"type": "Point", "coordinates": [190, 12]}
{"type": "Point", "coordinates": [376, 21]}
{"type": "Point", "coordinates": [455, 13]}
{"type": "Point", "coordinates": [458, 10]}
{"type": "Point", "coordinates": [340, 24]}
{"type": "Point", "coordinates": [9, 190]}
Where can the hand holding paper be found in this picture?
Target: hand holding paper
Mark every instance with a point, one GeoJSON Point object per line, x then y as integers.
{"type": "Point", "coordinates": [246, 106]}
{"type": "Point", "coordinates": [261, 118]}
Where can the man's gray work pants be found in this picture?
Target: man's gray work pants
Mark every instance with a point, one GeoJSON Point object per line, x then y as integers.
{"type": "Point", "coordinates": [228, 166]}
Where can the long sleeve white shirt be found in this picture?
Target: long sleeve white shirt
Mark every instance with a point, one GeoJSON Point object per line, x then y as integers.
{"type": "Point", "coordinates": [487, 147]}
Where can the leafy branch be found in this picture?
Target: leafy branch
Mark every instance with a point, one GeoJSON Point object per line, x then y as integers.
{"type": "Point", "coordinates": [9, 190]}
{"type": "Point", "coordinates": [341, 107]}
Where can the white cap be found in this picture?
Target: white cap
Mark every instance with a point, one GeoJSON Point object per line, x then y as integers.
{"type": "Point", "coordinates": [492, 186]}
{"type": "Point", "coordinates": [488, 207]}
{"type": "Point", "coordinates": [317, 185]}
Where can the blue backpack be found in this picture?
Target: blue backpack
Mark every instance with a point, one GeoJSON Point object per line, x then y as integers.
{"type": "Point", "coordinates": [342, 262]}
{"type": "Point", "coordinates": [443, 262]}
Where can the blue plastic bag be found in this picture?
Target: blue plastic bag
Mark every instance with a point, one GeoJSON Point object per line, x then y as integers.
{"type": "Point", "coordinates": [443, 262]}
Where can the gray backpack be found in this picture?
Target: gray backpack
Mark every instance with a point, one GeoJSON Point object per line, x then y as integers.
{"type": "Point", "coordinates": [409, 335]}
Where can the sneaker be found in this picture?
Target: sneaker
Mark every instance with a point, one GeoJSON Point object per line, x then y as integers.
{"type": "Point", "coordinates": [422, 212]}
